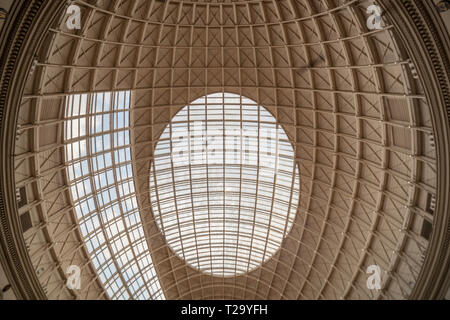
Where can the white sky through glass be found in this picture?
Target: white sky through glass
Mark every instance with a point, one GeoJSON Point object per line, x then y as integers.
{"type": "Point", "coordinates": [224, 184]}
{"type": "Point", "coordinates": [100, 172]}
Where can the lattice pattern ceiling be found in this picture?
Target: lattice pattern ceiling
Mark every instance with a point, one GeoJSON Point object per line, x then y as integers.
{"type": "Point", "coordinates": [345, 96]}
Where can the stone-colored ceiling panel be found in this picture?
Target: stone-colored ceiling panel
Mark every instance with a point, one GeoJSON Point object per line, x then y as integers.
{"type": "Point", "coordinates": [358, 122]}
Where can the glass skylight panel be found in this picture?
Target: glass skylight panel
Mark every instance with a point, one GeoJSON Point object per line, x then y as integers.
{"type": "Point", "coordinates": [101, 176]}
{"type": "Point", "coordinates": [224, 185]}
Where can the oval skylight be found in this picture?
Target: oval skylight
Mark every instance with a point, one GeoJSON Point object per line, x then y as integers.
{"type": "Point", "coordinates": [224, 185]}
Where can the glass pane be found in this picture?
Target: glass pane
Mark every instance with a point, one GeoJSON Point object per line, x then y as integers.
{"type": "Point", "coordinates": [217, 210]}
{"type": "Point", "coordinates": [105, 200]}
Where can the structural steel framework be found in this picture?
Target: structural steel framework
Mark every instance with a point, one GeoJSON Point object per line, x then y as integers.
{"type": "Point", "coordinates": [224, 184]}
{"type": "Point", "coordinates": [352, 102]}
{"type": "Point", "coordinates": [100, 172]}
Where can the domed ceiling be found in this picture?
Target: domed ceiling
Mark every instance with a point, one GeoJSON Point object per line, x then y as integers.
{"type": "Point", "coordinates": [347, 98]}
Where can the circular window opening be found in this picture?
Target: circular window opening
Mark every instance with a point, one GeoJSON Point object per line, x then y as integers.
{"type": "Point", "coordinates": [224, 185]}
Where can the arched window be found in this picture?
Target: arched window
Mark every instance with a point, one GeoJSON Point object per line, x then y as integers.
{"type": "Point", "coordinates": [224, 185]}
{"type": "Point", "coordinates": [100, 172]}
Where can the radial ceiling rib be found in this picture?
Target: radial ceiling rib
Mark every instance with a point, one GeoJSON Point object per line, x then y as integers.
{"type": "Point", "coordinates": [345, 96]}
